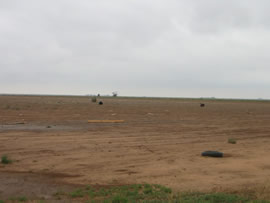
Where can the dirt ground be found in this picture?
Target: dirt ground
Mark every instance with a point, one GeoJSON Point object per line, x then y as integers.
{"type": "Point", "coordinates": [52, 145]}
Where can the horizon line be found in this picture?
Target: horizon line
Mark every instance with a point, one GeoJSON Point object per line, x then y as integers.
{"type": "Point", "coordinates": [157, 97]}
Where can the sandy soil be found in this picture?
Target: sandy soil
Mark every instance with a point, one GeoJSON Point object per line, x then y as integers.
{"type": "Point", "coordinates": [160, 142]}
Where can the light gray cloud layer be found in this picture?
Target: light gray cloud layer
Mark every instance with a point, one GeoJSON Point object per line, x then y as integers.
{"type": "Point", "coordinates": [148, 48]}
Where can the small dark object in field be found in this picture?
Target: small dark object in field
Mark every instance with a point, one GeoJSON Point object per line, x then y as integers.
{"type": "Point", "coordinates": [202, 105]}
{"type": "Point", "coordinates": [48, 126]}
{"type": "Point", "coordinates": [98, 95]}
{"type": "Point", "coordinates": [212, 154]}
{"type": "Point", "coordinates": [100, 103]}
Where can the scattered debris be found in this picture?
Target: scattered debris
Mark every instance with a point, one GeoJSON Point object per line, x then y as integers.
{"type": "Point", "coordinates": [212, 153]}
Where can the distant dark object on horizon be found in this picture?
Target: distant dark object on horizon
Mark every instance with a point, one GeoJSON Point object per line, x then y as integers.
{"type": "Point", "coordinates": [202, 105]}
{"type": "Point", "coordinates": [98, 95]}
{"type": "Point", "coordinates": [115, 94]}
{"type": "Point", "coordinates": [100, 103]}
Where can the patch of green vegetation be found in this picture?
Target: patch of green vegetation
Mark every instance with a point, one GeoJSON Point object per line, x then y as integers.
{"type": "Point", "coordinates": [5, 160]}
{"type": "Point", "coordinates": [209, 198]}
{"type": "Point", "coordinates": [152, 193]}
{"type": "Point", "coordinates": [125, 193]}
{"type": "Point", "coordinates": [119, 199]}
{"type": "Point", "coordinates": [77, 193]}
{"type": "Point", "coordinates": [232, 141]}
{"type": "Point", "coordinates": [216, 198]}
{"type": "Point", "coordinates": [2, 201]}
{"type": "Point", "coordinates": [147, 189]}
{"type": "Point", "coordinates": [91, 193]}
{"type": "Point", "coordinates": [59, 193]}
{"type": "Point", "coordinates": [164, 189]}
{"type": "Point", "coordinates": [145, 193]}
{"type": "Point", "coordinates": [22, 199]}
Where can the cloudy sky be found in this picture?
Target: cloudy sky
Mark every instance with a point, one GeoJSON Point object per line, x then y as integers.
{"type": "Point", "coordinates": [177, 48]}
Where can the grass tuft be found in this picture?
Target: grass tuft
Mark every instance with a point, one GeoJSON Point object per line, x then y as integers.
{"type": "Point", "coordinates": [232, 141]}
{"type": "Point", "coordinates": [5, 160]}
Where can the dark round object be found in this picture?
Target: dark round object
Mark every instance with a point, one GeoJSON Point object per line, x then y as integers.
{"type": "Point", "coordinates": [212, 154]}
{"type": "Point", "coordinates": [202, 105]}
{"type": "Point", "coordinates": [100, 103]}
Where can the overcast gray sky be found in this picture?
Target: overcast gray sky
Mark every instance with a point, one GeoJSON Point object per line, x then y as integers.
{"type": "Point", "coordinates": [178, 48]}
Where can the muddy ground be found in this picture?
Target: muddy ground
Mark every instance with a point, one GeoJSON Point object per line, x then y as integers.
{"type": "Point", "coordinates": [53, 146]}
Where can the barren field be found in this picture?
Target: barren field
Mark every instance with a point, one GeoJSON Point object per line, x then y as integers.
{"type": "Point", "coordinates": [160, 141]}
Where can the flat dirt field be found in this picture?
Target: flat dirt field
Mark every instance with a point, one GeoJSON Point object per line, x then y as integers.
{"type": "Point", "coordinates": [160, 141]}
